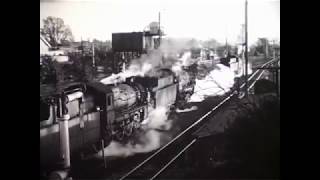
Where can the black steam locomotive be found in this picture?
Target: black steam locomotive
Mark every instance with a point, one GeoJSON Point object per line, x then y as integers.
{"type": "Point", "coordinates": [78, 115]}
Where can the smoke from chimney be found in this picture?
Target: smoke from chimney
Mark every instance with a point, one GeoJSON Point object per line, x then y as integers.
{"type": "Point", "coordinates": [166, 56]}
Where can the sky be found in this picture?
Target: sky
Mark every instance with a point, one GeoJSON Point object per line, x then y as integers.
{"type": "Point", "coordinates": [200, 19]}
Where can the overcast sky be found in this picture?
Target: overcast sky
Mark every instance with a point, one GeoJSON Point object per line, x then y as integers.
{"type": "Point", "coordinates": [201, 19]}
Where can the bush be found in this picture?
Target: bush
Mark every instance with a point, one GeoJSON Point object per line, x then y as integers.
{"type": "Point", "coordinates": [47, 71]}
{"type": "Point", "coordinates": [243, 141]}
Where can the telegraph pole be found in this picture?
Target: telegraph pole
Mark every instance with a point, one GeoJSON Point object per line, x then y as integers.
{"type": "Point", "coordinates": [81, 47]}
{"type": "Point", "coordinates": [273, 49]}
{"type": "Point", "coordinates": [93, 61]}
{"type": "Point", "coordinates": [246, 48]}
{"type": "Point", "coordinates": [227, 47]}
{"type": "Point", "coordinates": [159, 31]}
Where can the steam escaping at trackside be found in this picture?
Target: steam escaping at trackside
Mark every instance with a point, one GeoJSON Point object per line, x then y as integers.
{"type": "Point", "coordinates": [219, 80]}
{"type": "Point", "coordinates": [149, 137]}
{"type": "Point", "coordinates": [158, 119]}
{"type": "Point", "coordinates": [148, 141]}
{"type": "Point", "coordinates": [216, 82]}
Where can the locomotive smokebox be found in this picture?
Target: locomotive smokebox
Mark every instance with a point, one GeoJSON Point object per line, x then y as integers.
{"type": "Point", "coordinates": [124, 96]}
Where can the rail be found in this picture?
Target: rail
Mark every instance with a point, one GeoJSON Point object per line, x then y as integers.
{"type": "Point", "coordinates": [173, 159]}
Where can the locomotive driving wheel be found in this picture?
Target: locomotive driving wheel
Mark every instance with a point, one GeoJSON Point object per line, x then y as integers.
{"type": "Point", "coordinates": [136, 121]}
{"type": "Point", "coordinates": [128, 129]}
{"type": "Point", "coordinates": [120, 135]}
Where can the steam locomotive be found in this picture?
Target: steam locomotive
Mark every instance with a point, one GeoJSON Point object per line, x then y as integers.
{"type": "Point", "coordinates": [80, 115]}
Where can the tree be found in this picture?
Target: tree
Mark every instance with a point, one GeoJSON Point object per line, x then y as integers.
{"type": "Point", "coordinates": [47, 71]}
{"type": "Point", "coordinates": [262, 46]}
{"type": "Point", "coordinates": [102, 46]}
{"type": "Point", "coordinates": [55, 31]}
{"type": "Point", "coordinates": [211, 44]}
{"type": "Point", "coordinates": [193, 43]}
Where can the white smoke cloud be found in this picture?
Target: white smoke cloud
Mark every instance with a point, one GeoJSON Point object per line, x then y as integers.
{"type": "Point", "coordinates": [185, 58]}
{"type": "Point", "coordinates": [166, 56]}
{"type": "Point", "coordinates": [148, 140]}
{"type": "Point", "coordinates": [144, 64]}
{"type": "Point", "coordinates": [217, 82]}
{"type": "Point", "coordinates": [159, 119]}
{"type": "Point", "coordinates": [163, 57]}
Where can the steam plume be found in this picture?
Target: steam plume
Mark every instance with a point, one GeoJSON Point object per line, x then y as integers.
{"type": "Point", "coordinates": [148, 139]}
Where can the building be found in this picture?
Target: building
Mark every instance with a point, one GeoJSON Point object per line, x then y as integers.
{"type": "Point", "coordinates": [276, 50]}
{"type": "Point", "coordinates": [46, 48]}
{"type": "Point", "coordinates": [130, 45]}
{"type": "Point", "coordinates": [71, 47]}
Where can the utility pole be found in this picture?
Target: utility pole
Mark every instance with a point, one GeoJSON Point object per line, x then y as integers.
{"type": "Point", "coordinates": [93, 61]}
{"type": "Point", "coordinates": [246, 48]}
{"type": "Point", "coordinates": [273, 49]}
{"type": "Point", "coordinates": [81, 46]}
{"type": "Point", "coordinates": [267, 48]}
{"type": "Point", "coordinates": [227, 48]}
{"type": "Point", "coordinates": [159, 31]}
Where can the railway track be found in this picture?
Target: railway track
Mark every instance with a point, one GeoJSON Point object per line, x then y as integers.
{"type": "Point", "coordinates": [258, 74]}
{"type": "Point", "coordinates": [160, 160]}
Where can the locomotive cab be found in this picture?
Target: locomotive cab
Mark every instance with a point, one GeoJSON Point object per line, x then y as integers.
{"type": "Point", "coordinates": [103, 100]}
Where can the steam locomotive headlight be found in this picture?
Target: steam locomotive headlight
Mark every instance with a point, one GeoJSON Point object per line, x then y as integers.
{"type": "Point", "coordinates": [98, 108]}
